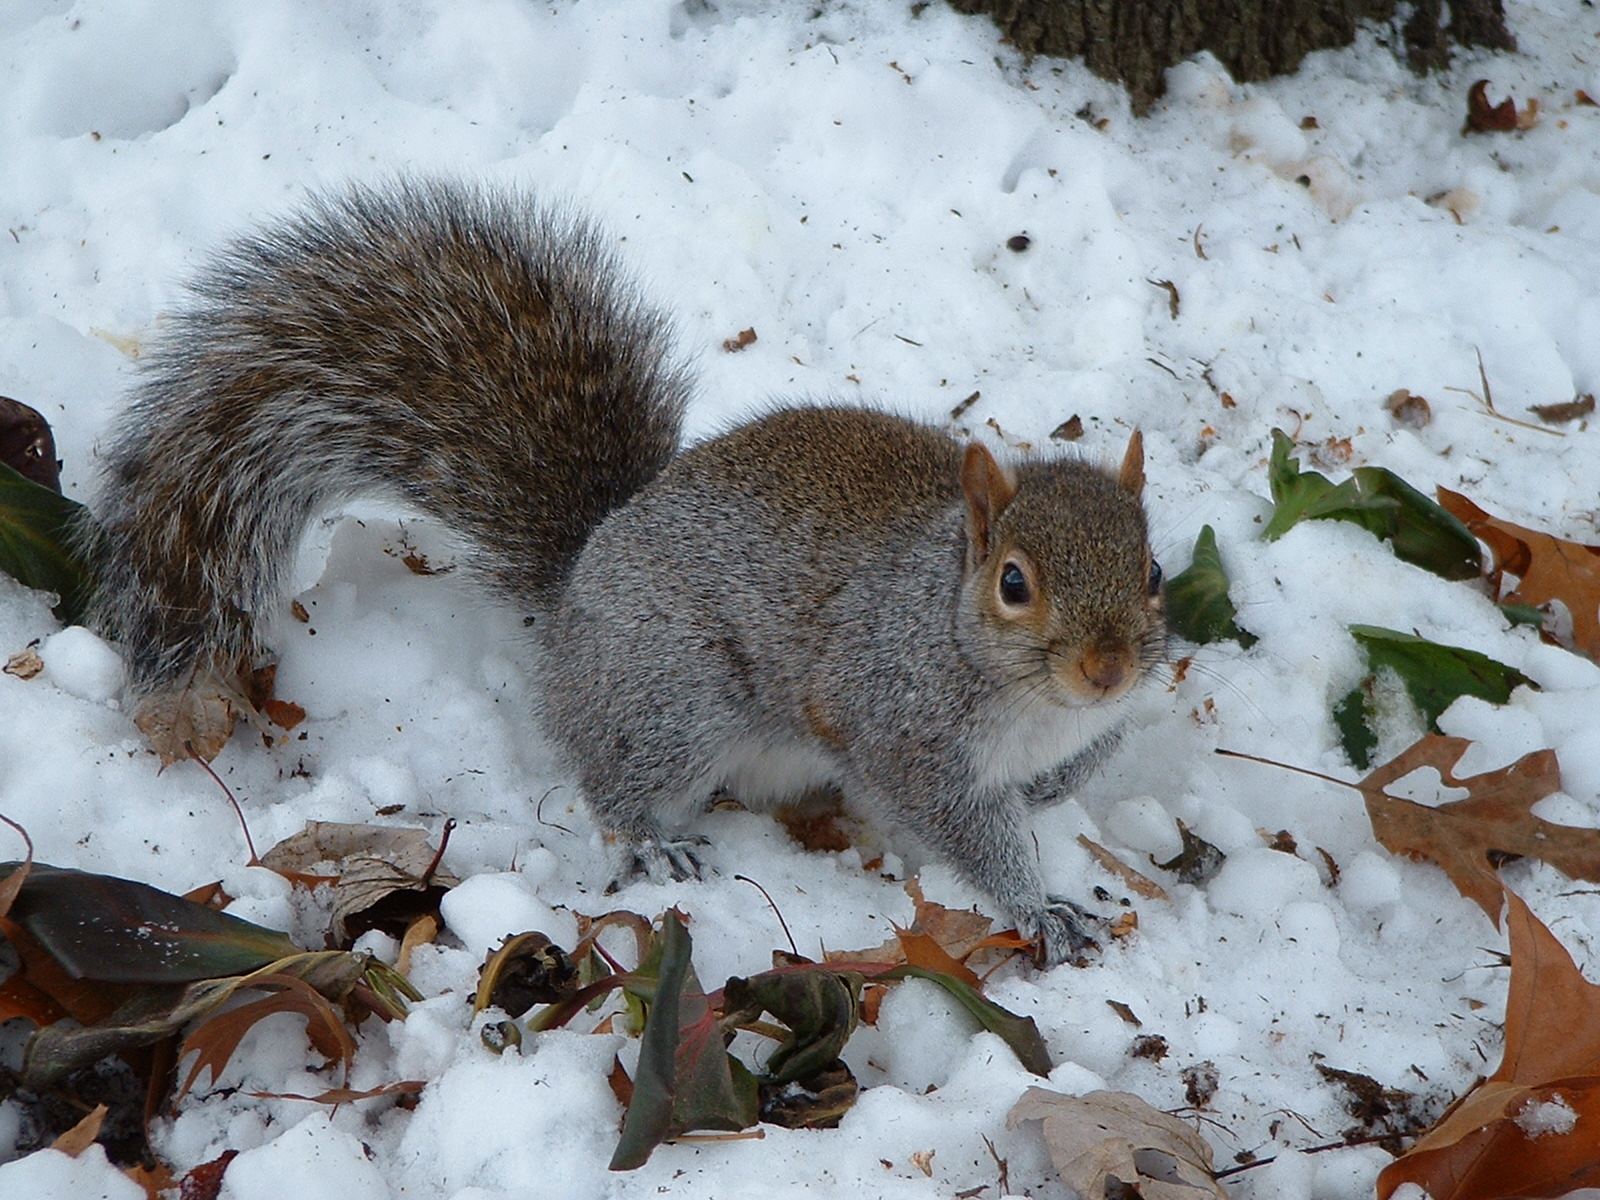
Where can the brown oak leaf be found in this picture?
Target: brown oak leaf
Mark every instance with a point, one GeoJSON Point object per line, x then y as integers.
{"type": "Point", "coordinates": [1547, 568]}
{"type": "Point", "coordinates": [1527, 1130]}
{"type": "Point", "coordinates": [1470, 838]}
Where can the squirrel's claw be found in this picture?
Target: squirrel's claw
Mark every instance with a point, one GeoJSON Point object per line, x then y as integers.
{"type": "Point", "coordinates": [1063, 929]}
{"type": "Point", "coordinates": [660, 860]}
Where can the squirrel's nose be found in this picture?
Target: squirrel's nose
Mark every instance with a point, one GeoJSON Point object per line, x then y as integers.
{"type": "Point", "coordinates": [1107, 664]}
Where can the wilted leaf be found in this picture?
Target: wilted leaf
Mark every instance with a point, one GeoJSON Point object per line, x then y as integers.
{"type": "Point", "coordinates": [816, 1102]}
{"type": "Point", "coordinates": [214, 1041]}
{"type": "Point", "coordinates": [383, 877]}
{"type": "Point", "coordinates": [685, 1078]}
{"type": "Point", "coordinates": [1470, 838]}
{"type": "Point", "coordinates": [1020, 1033]}
{"type": "Point", "coordinates": [1375, 498]}
{"type": "Point", "coordinates": [204, 1182]}
{"type": "Point", "coordinates": [1492, 1145]}
{"type": "Point", "coordinates": [116, 930]}
{"type": "Point", "coordinates": [25, 664]}
{"type": "Point", "coordinates": [1436, 676]}
{"type": "Point", "coordinates": [1483, 117]}
{"type": "Point", "coordinates": [35, 528]}
{"type": "Point", "coordinates": [1196, 862]}
{"type": "Point", "coordinates": [522, 971]}
{"type": "Point", "coordinates": [1106, 1144]}
{"type": "Point", "coordinates": [1142, 884]}
{"type": "Point", "coordinates": [196, 719]}
{"type": "Point", "coordinates": [1547, 568]}
{"type": "Point", "coordinates": [1569, 410]}
{"type": "Point", "coordinates": [26, 444]}
{"type": "Point", "coordinates": [1198, 607]}
{"type": "Point", "coordinates": [819, 1006]}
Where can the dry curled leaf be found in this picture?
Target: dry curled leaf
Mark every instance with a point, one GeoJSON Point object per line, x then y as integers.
{"type": "Point", "coordinates": [1113, 1144]}
{"type": "Point", "coordinates": [740, 340]}
{"type": "Point", "coordinates": [1408, 408]}
{"type": "Point", "coordinates": [1143, 884]}
{"type": "Point", "coordinates": [1527, 1130]}
{"type": "Point", "coordinates": [25, 664]}
{"type": "Point", "coordinates": [1547, 568]}
{"type": "Point", "coordinates": [1560, 414]}
{"type": "Point", "coordinates": [1470, 838]}
{"type": "Point", "coordinates": [1483, 117]}
{"type": "Point", "coordinates": [383, 877]}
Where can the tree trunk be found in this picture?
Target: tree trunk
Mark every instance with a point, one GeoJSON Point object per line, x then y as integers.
{"type": "Point", "coordinates": [1135, 41]}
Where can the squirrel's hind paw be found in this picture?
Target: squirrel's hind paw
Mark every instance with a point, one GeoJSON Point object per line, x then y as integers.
{"type": "Point", "coordinates": [1064, 932]}
{"type": "Point", "coordinates": [660, 860]}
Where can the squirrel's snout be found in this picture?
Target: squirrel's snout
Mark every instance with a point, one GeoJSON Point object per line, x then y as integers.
{"type": "Point", "coordinates": [1106, 668]}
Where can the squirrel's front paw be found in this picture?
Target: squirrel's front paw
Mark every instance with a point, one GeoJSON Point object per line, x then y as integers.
{"type": "Point", "coordinates": [660, 860]}
{"type": "Point", "coordinates": [1063, 930]}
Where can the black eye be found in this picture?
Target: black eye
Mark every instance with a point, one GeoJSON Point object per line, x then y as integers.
{"type": "Point", "coordinates": [1155, 578]}
{"type": "Point", "coordinates": [1013, 585]}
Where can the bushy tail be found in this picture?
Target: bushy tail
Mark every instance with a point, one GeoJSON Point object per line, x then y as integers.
{"type": "Point", "coordinates": [460, 349]}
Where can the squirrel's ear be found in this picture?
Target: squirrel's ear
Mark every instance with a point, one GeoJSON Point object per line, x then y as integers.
{"type": "Point", "coordinates": [988, 487]}
{"type": "Point", "coordinates": [1131, 477]}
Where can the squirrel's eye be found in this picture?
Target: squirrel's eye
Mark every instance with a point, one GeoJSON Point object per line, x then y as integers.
{"type": "Point", "coordinates": [1013, 585]}
{"type": "Point", "coordinates": [1155, 578]}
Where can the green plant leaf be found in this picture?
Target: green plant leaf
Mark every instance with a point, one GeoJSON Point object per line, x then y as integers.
{"type": "Point", "coordinates": [1198, 607]}
{"type": "Point", "coordinates": [1375, 498]}
{"type": "Point", "coordinates": [115, 930]}
{"type": "Point", "coordinates": [1352, 716]}
{"type": "Point", "coordinates": [1434, 675]}
{"type": "Point", "coordinates": [821, 1008]}
{"type": "Point", "coordinates": [35, 524]}
{"type": "Point", "coordinates": [1020, 1033]}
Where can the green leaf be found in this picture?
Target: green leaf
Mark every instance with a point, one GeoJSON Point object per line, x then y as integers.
{"type": "Point", "coordinates": [35, 524]}
{"type": "Point", "coordinates": [1522, 614]}
{"type": "Point", "coordinates": [1352, 716]}
{"type": "Point", "coordinates": [1375, 498]}
{"type": "Point", "coordinates": [1020, 1033]}
{"type": "Point", "coordinates": [1421, 532]}
{"type": "Point", "coordinates": [1434, 675]}
{"type": "Point", "coordinates": [1293, 491]}
{"type": "Point", "coordinates": [115, 930]}
{"type": "Point", "coordinates": [821, 1008]}
{"type": "Point", "coordinates": [1198, 607]}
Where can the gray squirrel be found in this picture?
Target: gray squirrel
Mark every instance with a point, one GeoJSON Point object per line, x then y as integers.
{"type": "Point", "coordinates": [824, 597]}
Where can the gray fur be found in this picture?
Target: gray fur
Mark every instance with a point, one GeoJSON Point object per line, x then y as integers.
{"type": "Point", "coordinates": [800, 603]}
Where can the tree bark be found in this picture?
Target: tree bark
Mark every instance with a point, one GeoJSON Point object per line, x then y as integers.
{"type": "Point", "coordinates": [1135, 41]}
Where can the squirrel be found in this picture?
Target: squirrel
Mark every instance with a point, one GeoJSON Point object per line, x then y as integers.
{"type": "Point", "coordinates": [825, 597]}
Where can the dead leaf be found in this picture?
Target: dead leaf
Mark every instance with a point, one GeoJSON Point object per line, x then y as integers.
{"type": "Point", "coordinates": [25, 664]}
{"type": "Point", "coordinates": [285, 714]}
{"type": "Point", "coordinates": [1470, 838]}
{"type": "Point", "coordinates": [1508, 1136]}
{"type": "Point", "coordinates": [27, 445]}
{"type": "Point", "coordinates": [204, 1182]}
{"type": "Point", "coordinates": [922, 1160]}
{"type": "Point", "coordinates": [1069, 430]}
{"type": "Point", "coordinates": [214, 1040]}
{"type": "Point", "coordinates": [1408, 408]}
{"type": "Point", "coordinates": [1142, 884]}
{"type": "Point", "coordinates": [1482, 117]}
{"type": "Point", "coordinates": [198, 718]}
{"type": "Point", "coordinates": [383, 876]}
{"type": "Point", "coordinates": [158, 1179]}
{"type": "Point", "coordinates": [1571, 410]}
{"type": "Point", "coordinates": [82, 1135]}
{"type": "Point", "coordinates": [1547, 568]}
{"type": "Point", "coordinates": [1104, 1139]}
{"type": "Point", "coordinates": [740, 340]}
{"type": "Point", "coordinates": [959, 935]}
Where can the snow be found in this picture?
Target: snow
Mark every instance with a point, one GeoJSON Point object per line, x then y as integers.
{"type": "Point", "coordinates": [844, 178]}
